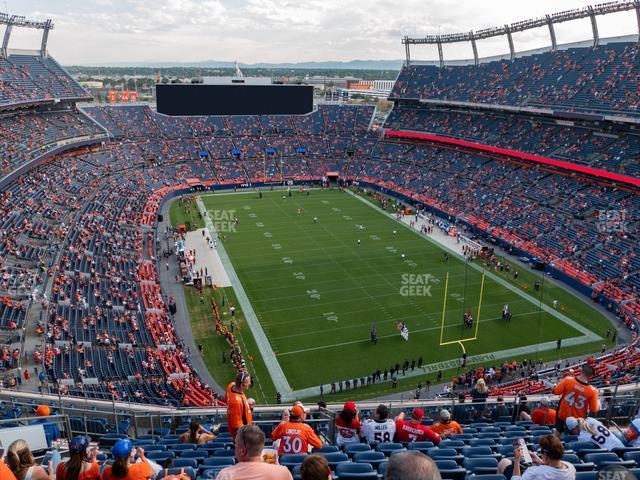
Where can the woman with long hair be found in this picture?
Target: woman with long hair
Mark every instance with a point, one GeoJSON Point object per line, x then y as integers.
{"type": "Point", "coordinates": [479, 396]}
{"type": "Point", "coordinates": [21, 462]}
{"type": "Point", "coordinates": [81, 465]}
{"type": "Point", "coordinates": [197, 434]}
{"type": "Point", "coordinates": [123, 468]}
{"type": "Point", "coordinates": [348, 425]}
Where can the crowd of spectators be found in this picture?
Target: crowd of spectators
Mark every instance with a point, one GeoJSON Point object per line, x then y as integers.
{"type": "Point", "coordinates": [603, 78]}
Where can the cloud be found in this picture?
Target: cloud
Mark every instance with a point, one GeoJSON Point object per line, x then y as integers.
{"type": "Point", "coordinates": [91, 31]}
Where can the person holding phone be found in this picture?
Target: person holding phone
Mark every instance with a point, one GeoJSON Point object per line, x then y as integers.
{"type": "Point", "coordinates": [548, 466]}
{"type": "Point", "coordinates": [82, 464]}
{"type": "Point", "coordinates": [197, 434]}
{"type": "Point", "coordinates": [123, 467]}
{"type": "Point", "coordinates": [21, 462]}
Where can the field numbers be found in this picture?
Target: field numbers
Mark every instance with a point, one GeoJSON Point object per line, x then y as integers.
{"type": "Point", "coordinates": [299, 275]}
{"type": "Point", "coordinates": [267, 234]}
{"type": "Point", "coordinates": [287, 260]}
{"type": "Point", "coordinates": [313, 294]}
{"type": "Point", "coordinates": [391, 249]}
{"type": "Point", "coordinates": [411, 263]}
{"type": "Point", "coordinates": [336, 209]}
{"type": "Point", "coordinates": [246, 207]}
{"type": "Point", "coordinates": [374, 237]}
{"type": "Point", "coordinates": [359, 227]}
{"type": "Point", "coordinates": [259, 224]}
{"type": "Point", "coordinates": [325, 202]}
{"type": "Point", "coordinates": [347, 217]}
{"type": "Point", "coordinates": [332, 317]}
{"type": "Point", "coordinates": [457, 297]}
{"type": "Point", "coordinates": [252, 215]}
{"type": "Point", "coordinates": [276, 246]}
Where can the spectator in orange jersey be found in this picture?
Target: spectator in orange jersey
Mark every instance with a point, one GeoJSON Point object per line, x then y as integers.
{"type": "Point", "coordinates": [577, 397]}
{"type": "Point", "coordinates": [446, 426]}
{"type": "Point", "coordinates": [544, 415]}
{"type": "Point", "coordinates": [238, 408]}
{"type": "Point", "coordinates": [295, 436]}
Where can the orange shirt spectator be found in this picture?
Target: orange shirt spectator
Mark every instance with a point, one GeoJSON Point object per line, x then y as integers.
{"type": "Point", "coordinates": [238, 409]}
{"type": "Point", "coordinates": [295, 436]}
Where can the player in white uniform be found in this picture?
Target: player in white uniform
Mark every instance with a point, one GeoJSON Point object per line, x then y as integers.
{"type": "Point", "coordinates": [591, 430]}
{"type": "Point", "coordinates": [379, 429]}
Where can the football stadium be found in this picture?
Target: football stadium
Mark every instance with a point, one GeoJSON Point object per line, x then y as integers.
{"type": "Point", "coordinates": [238, 278]}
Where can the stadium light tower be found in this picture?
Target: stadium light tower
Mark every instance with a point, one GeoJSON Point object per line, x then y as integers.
{"type": "Point", "coordinates": [549, 21]}
{"type": "Point", "coordinates": [19, 21]}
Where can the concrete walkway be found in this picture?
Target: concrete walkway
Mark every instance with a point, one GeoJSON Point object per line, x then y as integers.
{"type": "Point", "coordinates": [167, 279]}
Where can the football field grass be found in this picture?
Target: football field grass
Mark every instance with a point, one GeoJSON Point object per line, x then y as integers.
{"type": "Point", "coordinates": [316, 291]}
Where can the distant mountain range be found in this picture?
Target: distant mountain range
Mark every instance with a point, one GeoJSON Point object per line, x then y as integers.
{"type": "Point", "coordinates": [334, 65]}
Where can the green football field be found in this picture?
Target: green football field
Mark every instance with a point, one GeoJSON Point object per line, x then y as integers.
{"type": "Point", "coordinates": [316, 292]}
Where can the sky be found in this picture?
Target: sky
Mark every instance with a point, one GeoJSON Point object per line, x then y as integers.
{"type": "Point", "coordinates": [277, 31]}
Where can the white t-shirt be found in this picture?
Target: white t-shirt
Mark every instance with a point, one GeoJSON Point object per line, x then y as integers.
{"type": "Point", "coordinates": [378, 431]}
{"type": "Point", "coordinates": [603, 437]}
{"type": "Point", "coordinates": [546, 472]}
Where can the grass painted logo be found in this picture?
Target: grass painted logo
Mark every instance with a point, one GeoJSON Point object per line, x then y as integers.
{"type": "Point", "coordinates": [224, 221]}
{"type": "Point", "coordinates": [417, 284]}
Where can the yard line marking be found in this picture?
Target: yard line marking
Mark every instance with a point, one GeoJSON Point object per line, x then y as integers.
{"type": "Point", "coordinates": [368, 340]}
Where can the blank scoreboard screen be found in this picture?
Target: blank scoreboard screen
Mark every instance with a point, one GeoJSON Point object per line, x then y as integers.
{"type": "Point", "coordinates": [203, 99]}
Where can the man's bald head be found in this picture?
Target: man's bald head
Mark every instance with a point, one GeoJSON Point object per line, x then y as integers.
{"type": "Point", "coordinates": [411, 465]}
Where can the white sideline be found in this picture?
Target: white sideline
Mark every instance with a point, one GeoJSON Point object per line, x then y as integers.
{"type": "Point", "coordinates": [270, 360]}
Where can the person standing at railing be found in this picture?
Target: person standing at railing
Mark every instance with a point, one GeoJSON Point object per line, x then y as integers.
{"type": "Point", "coordinates": [238, 408]}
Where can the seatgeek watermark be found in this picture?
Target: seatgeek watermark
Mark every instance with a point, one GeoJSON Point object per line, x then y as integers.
{"type": "Point", "coordinates": [417, 284]}
{"type": "Point", "coordinates": [224, 221]}
{"type": "Point", "coordinates": [612, 221]}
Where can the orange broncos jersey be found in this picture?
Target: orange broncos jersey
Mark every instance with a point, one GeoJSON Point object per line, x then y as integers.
{"type": "Point", "coordinates": [295, 437]}
{"type": "Point", "coordinates": [238, 410]}
{"type": "Point", "coordinates": [451, 428]}
{"type": "Point", "coordinates": [576, 398]}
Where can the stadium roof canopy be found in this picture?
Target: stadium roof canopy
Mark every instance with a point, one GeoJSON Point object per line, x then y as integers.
{"type": "Point", "coordinates": [19, 21]}
{"type": "Point", "coordinates": [548, 20]}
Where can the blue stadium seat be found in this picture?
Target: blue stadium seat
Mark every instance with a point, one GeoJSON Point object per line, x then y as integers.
{"type": "Point", "coordinates": [182, 447]}
{"type": "Point", "coordinates": [481, 465]}
{"type": "Point", "coordinates": [291, 459]}
{"type": "Point", "coordinates": [363, 471]}
{"type": "Point", "coordinates": [374, 458]}
{"type": "Point", "coordinates": [421, 446]}
{"type": "Point", "coordinates": [389, 447]}
{"type": "Point", "coordinates": [578, 447]}
{"type": "Point", "coordinates": [352, 448]}
{"type": "Point", "coordinates": [224, 453]}
{"type": "Point", "coordinates": [160, 456]}
{"type": "Point", "coordinates": [185, 462]}
{"type": "Point", "coordinates": [382, 469]}
{"type": "Point", "coordinates": [586, 475]}
{"type": "Point", "coordinates": [457, 444]}
{"type": "Point", "coordinates": [602, 459]}
{"type": "Point", "coordinates": [327, 449]}
{"type": "Point", "coordinates": [482, 442]}
{"type": "Point", "coordinates": [635, 456]}
{"type": "Point", "coordinates": [493, 476]}
{"type": "Point", "coordinates": [336, 458]}
{"type": "Point", "coordinates": [445, 453]}
{"type": "Point", "coordinates": [469, 452]}
{"type": "Point", "coordinates": [197, 455]}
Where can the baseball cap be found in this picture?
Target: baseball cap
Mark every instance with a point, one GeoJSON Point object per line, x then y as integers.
{"type": "Point", "coordinates": [297, 410]}
{"type": "Point", "coordinates": [444, 414]}
{"type": "Point", "coordinates": [571, 423]}
{"type": "Point", "coordinates": [418, 413]}
{"type": "Point", "coordinates": [122, 448]}
{"type": "Point", "coordinates": [350, 407]}
{"type": "Point", "coordinates": [43, 411]}
{"type": "Point", "coordinates": [544, 401]}
{"type": "Point", "coordinates": [78, 444]}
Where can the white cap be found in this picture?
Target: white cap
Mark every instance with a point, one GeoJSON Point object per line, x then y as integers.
{"type": "Point", "coordinates": [544, 401]}
{"type": "Point", "coordinates": [571, 423]}
{"type": "Point", "coordinates": [444, 414]}
{"type": "Point", "coordinates": [306, 409]}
